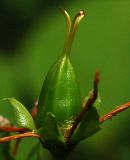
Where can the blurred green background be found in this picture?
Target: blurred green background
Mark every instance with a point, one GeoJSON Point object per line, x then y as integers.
{"type": "Point", "coordinates": [31, 38]}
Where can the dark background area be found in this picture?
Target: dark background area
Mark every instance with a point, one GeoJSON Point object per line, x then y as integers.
{"type": "Point", "coordinates": [31, 38]}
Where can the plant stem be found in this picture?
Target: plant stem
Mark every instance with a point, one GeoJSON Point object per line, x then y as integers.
{"type": "Point", "coordinates": [26, 134]}
{"type": "Point", "coordinates": [114, 112]}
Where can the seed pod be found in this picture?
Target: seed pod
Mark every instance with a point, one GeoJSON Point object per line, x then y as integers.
{"type": "Point", "coordinates": [60, 92]}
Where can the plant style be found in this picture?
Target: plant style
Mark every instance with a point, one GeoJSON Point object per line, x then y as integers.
{"type": "Point", "coordinates": [60, 118]}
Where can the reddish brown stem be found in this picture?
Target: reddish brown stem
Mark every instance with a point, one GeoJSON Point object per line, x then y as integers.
{"type": "Point", "coordinates": [27, 134]}
{"type": "Point", "coordinates": [88, 104]}
{"type": "Point", "coordinates": [114, 112]}
{"type": "Point", "coordinates": [16, 146]}
{"type": "Point", "coordinates": [12, 129]}
{"type": "Point", "coordinates": [34, 109]}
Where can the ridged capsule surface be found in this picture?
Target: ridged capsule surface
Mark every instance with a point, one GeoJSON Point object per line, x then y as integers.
{"type": "Point", "coordinates": [60, 93]}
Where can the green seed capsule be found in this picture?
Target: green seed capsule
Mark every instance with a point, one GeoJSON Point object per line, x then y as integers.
{"type": "Point", "coordinates": [60, 92]}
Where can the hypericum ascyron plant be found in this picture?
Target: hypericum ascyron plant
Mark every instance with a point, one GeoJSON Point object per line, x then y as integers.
{"type": "Point", "coordinates": [61, 119]}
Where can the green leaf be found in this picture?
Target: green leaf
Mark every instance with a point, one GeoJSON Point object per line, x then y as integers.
{"type": "Point", "coordinates": [52, 139]}
{"type": "Point", "coordinates": [88, 126]}
{"type": "Point", "coordinates": [21, 114]}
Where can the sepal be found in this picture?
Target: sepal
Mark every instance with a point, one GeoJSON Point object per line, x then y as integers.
{"type": "Point", "coordinates": [52, 138]}
{"type": "Point", "coordinates": [88, 126]}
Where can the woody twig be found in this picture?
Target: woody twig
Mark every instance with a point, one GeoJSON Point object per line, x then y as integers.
{"type": "Point", "coordinates": [26, 134]}
{"type": "Point", "coordinates": [114, 112]}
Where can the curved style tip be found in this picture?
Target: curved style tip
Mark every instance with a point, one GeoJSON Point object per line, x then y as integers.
{"type": "Point", "coordinates": [62, 10]}
{"type": "Point", "coordinates": [82, 12]}
{"type": "Point", "coordinates": [68, 19]}
{"type": "Point", "coordinates": [65, 13]}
